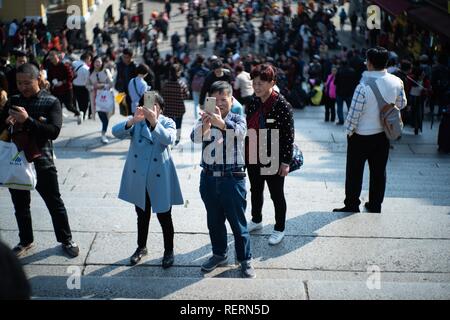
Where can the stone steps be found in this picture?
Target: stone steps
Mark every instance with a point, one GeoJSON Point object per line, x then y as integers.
{"type": "Point", "coordinates": [117, 287]}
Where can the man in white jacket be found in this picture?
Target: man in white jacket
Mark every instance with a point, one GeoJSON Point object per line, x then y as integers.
{"type": "Point", "coordinates": [365, 134]}
{"type": "Point", "coordinates": [81, 73]}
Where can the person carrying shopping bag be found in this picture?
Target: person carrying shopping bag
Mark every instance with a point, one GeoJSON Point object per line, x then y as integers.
{"type": "Point", "coordinates": [102, 98]}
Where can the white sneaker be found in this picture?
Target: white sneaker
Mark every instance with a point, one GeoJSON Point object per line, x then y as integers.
{"type": "Point", "coordinates": [105, 140]}
{"type": "Point", "coordinates": [252, 226]}
{"type": "Point", "coordinates": [276, 237]}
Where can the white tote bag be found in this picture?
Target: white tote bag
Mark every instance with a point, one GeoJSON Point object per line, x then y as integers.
{"type": "Point", "coordinates": [15, 171]}
{"type": "Point", "coordinates": [104, 101]}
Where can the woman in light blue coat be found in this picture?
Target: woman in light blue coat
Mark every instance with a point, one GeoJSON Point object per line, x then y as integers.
{"type": "Point", "coordinates": [149, 179]}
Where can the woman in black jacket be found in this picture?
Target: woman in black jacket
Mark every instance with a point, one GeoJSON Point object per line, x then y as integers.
{"type": "Point", "coordinates": [268, 110]}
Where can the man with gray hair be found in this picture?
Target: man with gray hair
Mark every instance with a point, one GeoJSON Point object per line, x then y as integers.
{"type": "Point", "coordinates": [37, 116]}
{"type": "Point", "coordinates": [222, 181]}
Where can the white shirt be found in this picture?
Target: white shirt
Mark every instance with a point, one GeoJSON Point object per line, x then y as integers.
{"type": "Point", "coordinates": [244, 83]}
{"type": "Point", "coordinates": [364, 114]}
{"type": "Point", "coordinates": [82, 73]}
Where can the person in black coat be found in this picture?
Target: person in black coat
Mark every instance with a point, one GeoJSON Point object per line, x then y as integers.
{"type": "Point", "coordinates": [346, 81]}
{"type": "Point", "coordinates": [268, 110]}
{"type": "Point", "coordinates": [217, 73]}
{"type": "Point", "coordinates": [126, 70]}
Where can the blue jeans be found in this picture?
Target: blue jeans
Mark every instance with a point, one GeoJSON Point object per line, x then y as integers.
{"type": "Point", "coordinates": [196, 97]}
{"type": "Point", "coordinates": [225, 199]}
{"type": "Point", "coordinates": [340, 106]}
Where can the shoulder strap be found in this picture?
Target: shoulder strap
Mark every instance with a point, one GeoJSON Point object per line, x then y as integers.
{"type": "Point", "coordinates": [135, 88]}
{"type": "Point", "coordinates": [371, 82]}
{"type": "Point", "coordinates": [79, 67]}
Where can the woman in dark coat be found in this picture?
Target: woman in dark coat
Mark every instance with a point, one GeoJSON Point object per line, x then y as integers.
{"type": "Point", "coordinates": [268, 110]}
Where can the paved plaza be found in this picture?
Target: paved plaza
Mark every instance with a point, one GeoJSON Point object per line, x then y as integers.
{"type": "Point", "coordinates": [324, 255]}
{"type": "Point", "coordinates": [403, 253]}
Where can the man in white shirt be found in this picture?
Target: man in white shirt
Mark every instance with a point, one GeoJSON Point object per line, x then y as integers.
{"type": "Point", "coordinates": [365, 133]}
{"type": "Point", "coordinates": [81, 74]}
{"type": "Point", "coordinates": [244, 84]}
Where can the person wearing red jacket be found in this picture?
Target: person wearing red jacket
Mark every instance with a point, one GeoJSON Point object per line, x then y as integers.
{"type": "Point", "coordinates": [60, 77]}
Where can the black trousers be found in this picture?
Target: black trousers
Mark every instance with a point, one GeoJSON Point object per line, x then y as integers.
{"type": "Point", "coordinates": [143, 222]}
{"type": "Point", "coordinates": [48, 188]}
{"type": "Point", "coordinates": [67, 100]}
{"type": "Point", "coordinates": [330, 107]}
{"type": "Point", "coordinates": [276, 189]}
{"type": "Point", "coordinates": [375, 150]}
{"type": "Point", "coordinates": [82, 98]}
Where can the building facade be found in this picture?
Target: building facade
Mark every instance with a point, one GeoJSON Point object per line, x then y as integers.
{"type": "Point", "coordinates": [82, 14]}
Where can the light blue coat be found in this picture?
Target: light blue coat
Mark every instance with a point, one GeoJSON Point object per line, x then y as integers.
{"type": "Point", "coordinates": [150, 165]}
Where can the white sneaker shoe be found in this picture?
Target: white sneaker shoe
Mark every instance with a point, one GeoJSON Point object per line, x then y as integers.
{"type": "Point", "coordinates": [105, 140]}
{"type": "Point", "coordinates": [252, 226]}
{"type": "Point", "coordinates": [276, 237]}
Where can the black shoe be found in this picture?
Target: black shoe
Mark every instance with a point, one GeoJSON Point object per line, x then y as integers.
{"type": "Point", "coordinates": [346, 209]}
{"type": "Point", "coordinates": [371, 209]}
{"type": "Point", "coordinates": [71, 248]}
{"type": "Point", "coordinates": [21, 249]}
{"type": "Point", "coordinates": [339, 123]}
{"type": "Point", "coordinates": [168, 260]}
{"type": "Point", "coordinates": [137, 256]}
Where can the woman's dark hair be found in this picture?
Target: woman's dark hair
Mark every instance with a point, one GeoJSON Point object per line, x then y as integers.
{"type": "Point", "coordinates": [143, 69]}
{"type": "Point", "coordinates": [158, 99]}
{"type": "Point", "coordinates": [92, 68]}
{"type": "Point", "coordinates": [378, 57]}
{"type": "Point", "coordinates": [265, 72]}
{"type": "Point", "coordinates": [239, 68]}
{"type": "Point", "coordinates": [174, 72]}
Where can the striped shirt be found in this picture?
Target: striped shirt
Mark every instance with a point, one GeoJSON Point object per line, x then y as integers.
{"type": "Point", "coordinates": [364, 115]}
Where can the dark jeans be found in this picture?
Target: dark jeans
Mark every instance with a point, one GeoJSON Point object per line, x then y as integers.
{"type": "Point", "coordinates": [276, 188]}
{"type": "Point", "coordinates": [48, 188]}
{"type": "Point", "coordinates": [178, 121]}
{"type": "Point", "coordinates": [375, 150]}
{"type": "Point", "coordinates": [67, 100]}
{"type": "Point", "coordinates": [330, 107]}
{"type": "Point", "coordinates": [225, 199]}
{"type": "Point", "coordinates": [340, 106]}
{"type": "Point", "coordinates": [143, 222]}
{"type": "Point", "coordinates": [82, 98]}
{"type": "Point", "coordinates": [104, 119]}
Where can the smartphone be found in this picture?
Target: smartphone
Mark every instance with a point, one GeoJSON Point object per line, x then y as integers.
{"type": "Point", "coordinates": [150, 100]}
{"type": "Point", "coordinates": [210, 104]}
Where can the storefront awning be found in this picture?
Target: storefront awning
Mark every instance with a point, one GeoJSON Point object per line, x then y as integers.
{"type": "Point", "coordinates": [393, 7]}
{"type": "Point", "coordinates": [431, 19]}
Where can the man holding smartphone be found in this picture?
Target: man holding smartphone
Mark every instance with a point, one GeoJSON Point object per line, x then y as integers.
{"type": "Point", "coordinates": [39, 114]}
{"type": "Point", "coordinates": [222, 181]}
